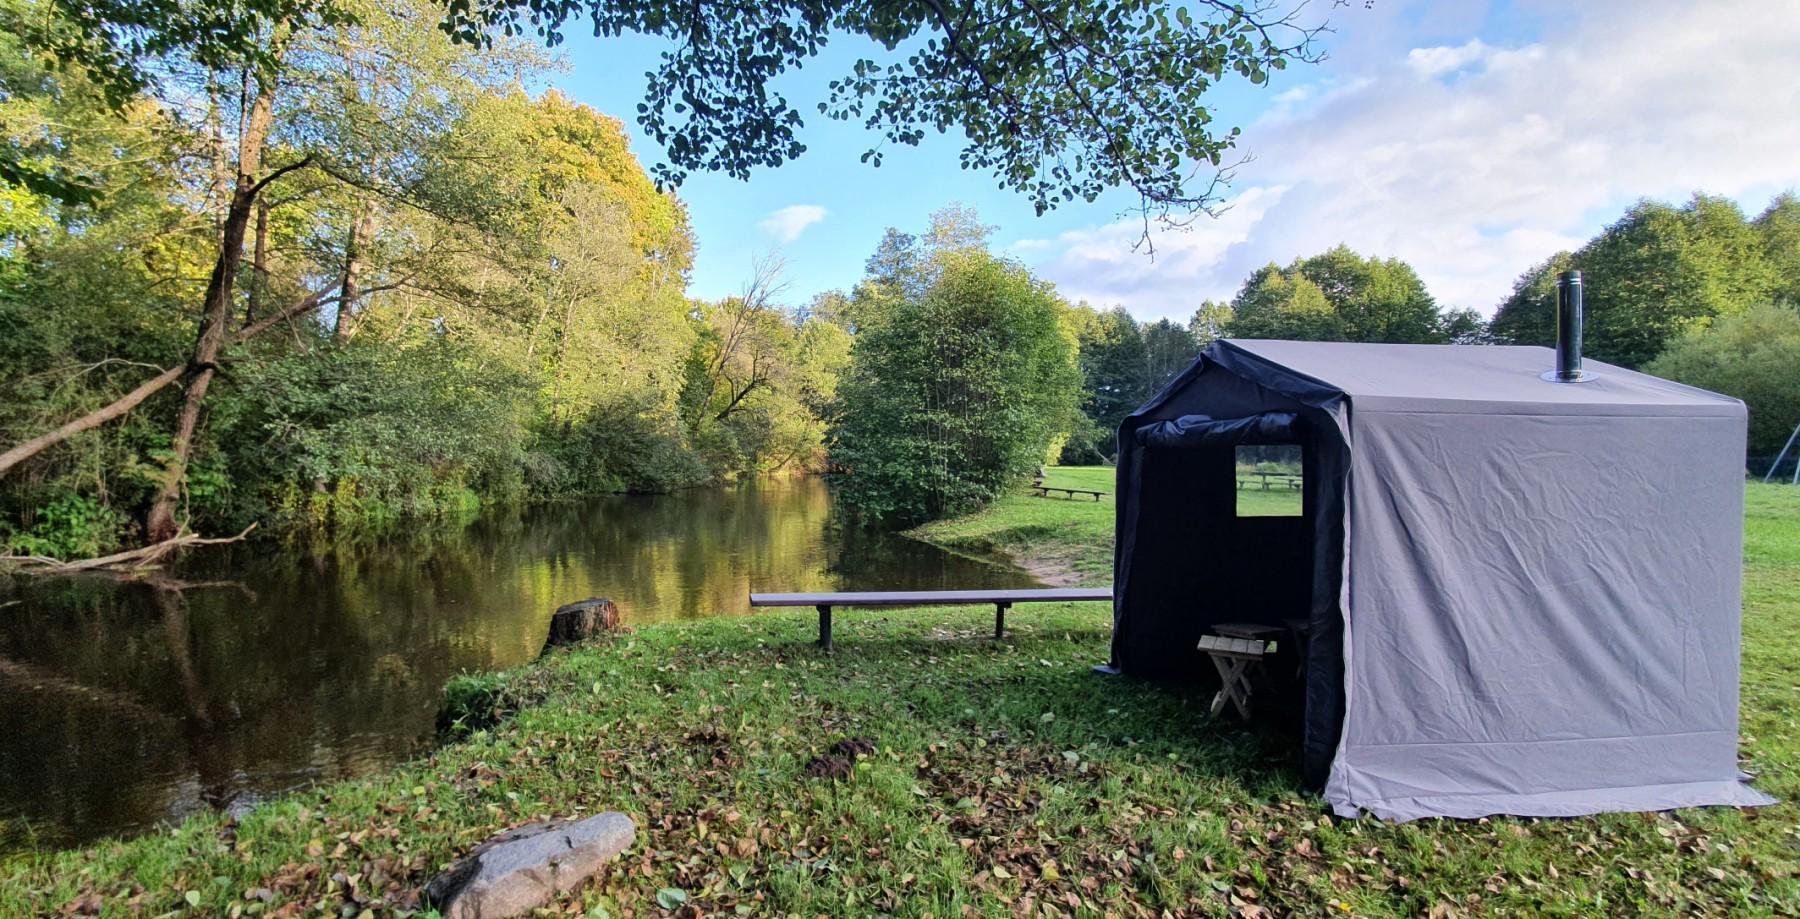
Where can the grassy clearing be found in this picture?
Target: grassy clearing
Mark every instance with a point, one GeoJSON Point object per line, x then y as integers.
{"type": "Point", "coordinates": [1068, 540]}
{"type": "Point", "coordinates": [1061, 540]}
{"type": "Point", "coordinates": [1007, 780]}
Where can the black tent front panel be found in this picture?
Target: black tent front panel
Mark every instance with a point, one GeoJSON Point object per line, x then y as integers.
{"type": "Point", "coordinates": [1185, 560]}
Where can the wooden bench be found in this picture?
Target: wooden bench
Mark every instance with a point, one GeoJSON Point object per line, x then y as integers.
{"type": "Point", "coordinates": [1043, 491]}
{"type": "Point", "coordinates": [1001, 599]}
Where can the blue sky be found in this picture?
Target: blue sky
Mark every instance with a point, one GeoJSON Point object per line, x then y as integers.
{"type": "Point", "coordinates": [1472, 139]}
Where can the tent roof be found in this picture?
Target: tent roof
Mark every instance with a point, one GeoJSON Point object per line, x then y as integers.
{"type": "Point", "coordinates": [1477, 379]}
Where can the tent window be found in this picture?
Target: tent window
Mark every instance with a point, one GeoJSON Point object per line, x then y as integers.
{"type": "Point", "coordinates": [1270, 481]}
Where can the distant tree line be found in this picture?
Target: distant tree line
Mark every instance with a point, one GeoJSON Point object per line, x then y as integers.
{"type": "Point", "coordinates": [1696, 292]}
{"type": "Point", "coordinates": [1337, 295]}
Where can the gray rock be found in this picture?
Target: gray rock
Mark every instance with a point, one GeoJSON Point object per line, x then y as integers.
{"type": "Point", "coordinates": [581, 620]}
{"type": "Point", "coordinates": [524, 868]}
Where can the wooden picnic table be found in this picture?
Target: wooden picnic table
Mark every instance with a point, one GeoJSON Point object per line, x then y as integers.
{"type": "Point", "coordinates": [1289, 479]}
{"type": "Point", "coordinates": [1002, 600]}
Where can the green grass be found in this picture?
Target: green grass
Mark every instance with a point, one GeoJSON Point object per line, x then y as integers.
{"type": "Point", "coordinates": [1062, 540]}
{"type": "Point", "coordinates": [1008, 779]}
{"type": "Point", "coordinates": [1069, 540]}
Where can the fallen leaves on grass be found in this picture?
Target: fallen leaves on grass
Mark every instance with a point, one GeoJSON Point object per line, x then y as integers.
{"type": "Point", "coordinates": [829, 767]}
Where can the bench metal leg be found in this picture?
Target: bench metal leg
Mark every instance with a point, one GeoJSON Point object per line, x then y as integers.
{"type": "Point", "coordinates": [825, 627]}
{"type": "Point", "coordinates": [1000, 620]}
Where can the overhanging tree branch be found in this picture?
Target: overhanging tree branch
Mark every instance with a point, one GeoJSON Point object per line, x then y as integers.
{"type": "Point", "coordinates": [1059, 99]}
{"type": "Point", "coordinates": [124, 404]}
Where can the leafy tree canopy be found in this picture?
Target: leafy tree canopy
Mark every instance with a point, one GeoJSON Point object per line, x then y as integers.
{"type": "Point", "coordinates": [1338, 295]}
{"type": "Point", "coordinates": [1779, 226]}
{"type": "Point", "coordinates": [1752, 356]}
{"type": "Point", "coordinates": [1168, 349]}
{"type": "Point", "coordinates": [955, 392]}
{"type": "Point", "coordinates": [1058, 99]}
{"type": "Point", "coordinates": [1115, 369]}
{"type": "Point", "coordinates": [1123, 363]}
{"type": "Point", "coordinates": [1278, 304]}
{"type": "Point", "coordinates": [120, 46]}
{"type": "Point", "coordinates": [1658, 271]}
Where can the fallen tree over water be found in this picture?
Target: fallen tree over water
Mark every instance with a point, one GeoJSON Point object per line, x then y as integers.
{"type": "Point", "coordinates": [133, 563]}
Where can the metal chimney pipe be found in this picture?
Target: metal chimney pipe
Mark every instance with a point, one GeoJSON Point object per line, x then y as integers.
{"type": "Point", "coordinates": [1568, 331]}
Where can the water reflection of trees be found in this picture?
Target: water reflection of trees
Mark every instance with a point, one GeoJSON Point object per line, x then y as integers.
{"type": "Point", "coordinates": [128, 705]}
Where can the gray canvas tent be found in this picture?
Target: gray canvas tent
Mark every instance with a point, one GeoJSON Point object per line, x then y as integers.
{"type": "Point", "coordinates": [1523, 595]}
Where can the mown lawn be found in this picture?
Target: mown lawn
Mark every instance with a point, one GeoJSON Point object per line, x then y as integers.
{"type": "Point", "coordinates": [1066, 540]}
{"type": "Point", "coordinates": [1007, 780]}
{"type": "Point", "coordinates": [1069, 539]}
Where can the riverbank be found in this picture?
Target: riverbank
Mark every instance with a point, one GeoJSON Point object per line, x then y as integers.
{"type": "Point", "coordinates": [307, 664]}
{"type": "Point", "coordinates": [1065, 542]}
{"type": "Point", "coordinates": [1007, 779]}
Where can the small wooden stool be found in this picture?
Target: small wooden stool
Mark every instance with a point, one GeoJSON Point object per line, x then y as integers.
{"type": "Point", "coordinates": [1234, 658]}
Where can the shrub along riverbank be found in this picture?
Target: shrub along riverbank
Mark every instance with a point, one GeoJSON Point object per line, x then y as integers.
{"type": "Point", "coordinates": [1006, 779]}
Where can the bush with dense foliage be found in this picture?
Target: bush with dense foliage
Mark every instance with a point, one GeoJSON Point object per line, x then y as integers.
{"type": "Point", "coordinates": [956, 387]}
{"type": "Point", "coordinates": [1754, 356]}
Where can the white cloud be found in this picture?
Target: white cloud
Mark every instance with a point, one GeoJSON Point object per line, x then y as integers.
{"type": "Point", "coordinates": [1099, 265]}
{"type": "Point", "coordinates": [789, 222]}
{"type": "Point", "coordinates": [1474, 161]}
{"type": "Point", "coordinates": [1432, 62]}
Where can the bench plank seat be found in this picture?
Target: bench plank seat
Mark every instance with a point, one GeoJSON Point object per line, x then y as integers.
{"type": "Point", "coordinates": [1001, 599]}
{"type": "Point", "coordinates": [1043, 491]}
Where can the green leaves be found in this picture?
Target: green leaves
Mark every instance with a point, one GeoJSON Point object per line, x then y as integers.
{"type": "Point", "coordinates": [1058, 99]}
{"type": "Point", "coordinates": [961, 375]}
{"type": "Point", "coordinates": [1339, 295]}
{"type": "Point", "coordinates": [120, 43]}
{"type": "Point", "coordinates": [1752, 357]}
{"type": "Point", "coordinates": [1658, 271]}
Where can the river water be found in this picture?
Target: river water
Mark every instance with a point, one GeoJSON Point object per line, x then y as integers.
{"type": "Point", "coordinates": [125, 707]}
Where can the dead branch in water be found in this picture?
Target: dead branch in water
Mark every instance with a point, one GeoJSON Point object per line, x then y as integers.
{"type": "Point", "coordinates": [130, 562]}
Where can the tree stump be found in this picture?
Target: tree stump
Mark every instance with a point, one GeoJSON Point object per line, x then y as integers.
{"type": "Point", "coordinates": [581, 620]}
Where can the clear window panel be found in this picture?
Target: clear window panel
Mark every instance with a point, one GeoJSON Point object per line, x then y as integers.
{"type": "Point", "coordinates": [1270, 481]}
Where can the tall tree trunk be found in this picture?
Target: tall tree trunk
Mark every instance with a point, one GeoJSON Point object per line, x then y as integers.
{"type": "Point", "coordinates": [259, 265]}
{"type": "Point", "coordinates": [219, 178]}
{"type": "Point", "coordinates": [360, 230]}
{"type": "Point", "coordinates": [159, 522]}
